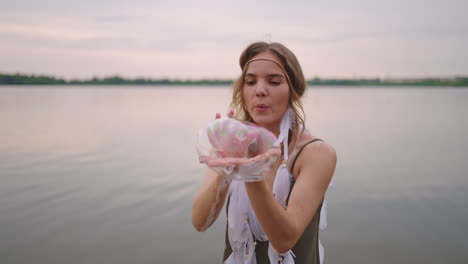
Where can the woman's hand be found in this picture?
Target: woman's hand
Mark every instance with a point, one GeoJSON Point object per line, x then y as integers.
{"type": "Point", "coordinates": [239, 150]}
{"type": "Point", "coordinates": [245, 169]}
{"type": "Point", "coordinates": [233, 161]}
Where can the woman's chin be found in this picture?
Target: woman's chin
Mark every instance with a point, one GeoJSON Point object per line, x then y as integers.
{"type": "Point", "coordinates": [266, 122]}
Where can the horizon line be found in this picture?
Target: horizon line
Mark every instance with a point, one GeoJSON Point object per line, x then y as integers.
{"type": "Point", "coordinates": [204, 78]}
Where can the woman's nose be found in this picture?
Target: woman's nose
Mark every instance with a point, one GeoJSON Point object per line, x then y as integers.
{"type": "Point", "coordinates": [261, 89]}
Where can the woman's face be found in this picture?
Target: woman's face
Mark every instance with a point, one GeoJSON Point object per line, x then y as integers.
{"type": "Point", "coordinates": [266, 91]}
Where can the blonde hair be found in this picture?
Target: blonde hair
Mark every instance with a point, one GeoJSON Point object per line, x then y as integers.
{"type": "Point", "coordinates": [296, 82]}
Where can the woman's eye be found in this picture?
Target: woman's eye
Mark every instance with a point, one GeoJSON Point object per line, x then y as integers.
{"type": "Point", "coordinates": [250, 82]}
{"type": "Point", "coordinates": [275, 82]}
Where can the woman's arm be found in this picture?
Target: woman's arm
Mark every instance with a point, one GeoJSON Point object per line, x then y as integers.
{"type": "Point", "coordinates": [209, 201]}
{"type": "Point", "coordinates": [284, 227]}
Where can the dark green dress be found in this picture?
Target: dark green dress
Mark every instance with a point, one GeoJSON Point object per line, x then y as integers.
{"type": "Point", "coordinates": [306, 249]}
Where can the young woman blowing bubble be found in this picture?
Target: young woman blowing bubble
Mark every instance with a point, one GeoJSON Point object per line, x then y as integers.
{"type": "Point", "coordinates": [273, 171]}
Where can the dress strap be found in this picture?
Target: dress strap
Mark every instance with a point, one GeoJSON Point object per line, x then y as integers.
{"type": "Point", "coordinates": [299, 152]}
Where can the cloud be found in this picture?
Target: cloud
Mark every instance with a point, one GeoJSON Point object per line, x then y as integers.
{"type": "Point", "coordinates": [188, 38]}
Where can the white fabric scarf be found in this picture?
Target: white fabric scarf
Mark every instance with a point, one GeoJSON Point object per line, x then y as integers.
{"type": "Point", "coordinates": [243, 225]}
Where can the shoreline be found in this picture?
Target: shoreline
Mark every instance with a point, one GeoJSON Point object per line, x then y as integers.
{"type": "Point", "coordinates": [39, 80]}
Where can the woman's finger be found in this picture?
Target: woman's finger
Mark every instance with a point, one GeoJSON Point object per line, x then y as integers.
{"type": "Point", "coordinates": [230, 113]}
{"type": "Point", "coordinates": [261, 158]}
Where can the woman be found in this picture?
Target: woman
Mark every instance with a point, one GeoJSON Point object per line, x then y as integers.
{"type": "Point", "coordinates": [273, 229]}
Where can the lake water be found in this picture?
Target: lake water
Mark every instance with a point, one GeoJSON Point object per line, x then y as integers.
{"type": "Point", "coordinates": [107, 174]}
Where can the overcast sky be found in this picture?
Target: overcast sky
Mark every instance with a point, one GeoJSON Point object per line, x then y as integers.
{"type": "Point", "coordinates": [203, 39]}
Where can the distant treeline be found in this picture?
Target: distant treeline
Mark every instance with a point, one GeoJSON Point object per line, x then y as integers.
{"type": "Point", "coordinates": [454, 81]}
{"type": "Point", "coordinates": [22, 79]}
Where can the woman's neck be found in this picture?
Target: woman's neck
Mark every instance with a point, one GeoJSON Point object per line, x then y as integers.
{"type": "Point", "coordinates": [274, 128]}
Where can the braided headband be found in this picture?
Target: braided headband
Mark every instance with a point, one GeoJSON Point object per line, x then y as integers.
{"type": "Point", "coordinates": [275, 62]}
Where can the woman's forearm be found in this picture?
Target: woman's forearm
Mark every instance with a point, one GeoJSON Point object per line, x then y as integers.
{"type": "Point", "coordinates": [279, 228]}
{"type": "Point", "coordinates": [209, 201]}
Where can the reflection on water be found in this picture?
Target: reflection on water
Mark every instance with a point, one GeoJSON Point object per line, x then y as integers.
{"type": "Point", "coordinates": [91, 175]}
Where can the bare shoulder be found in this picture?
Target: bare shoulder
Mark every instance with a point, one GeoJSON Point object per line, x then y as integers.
{"type": "Point", "coordinates": [318, 156]}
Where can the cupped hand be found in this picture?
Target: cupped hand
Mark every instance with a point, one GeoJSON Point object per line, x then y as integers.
{"type": "Point", "coordinates": [233, 161]}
